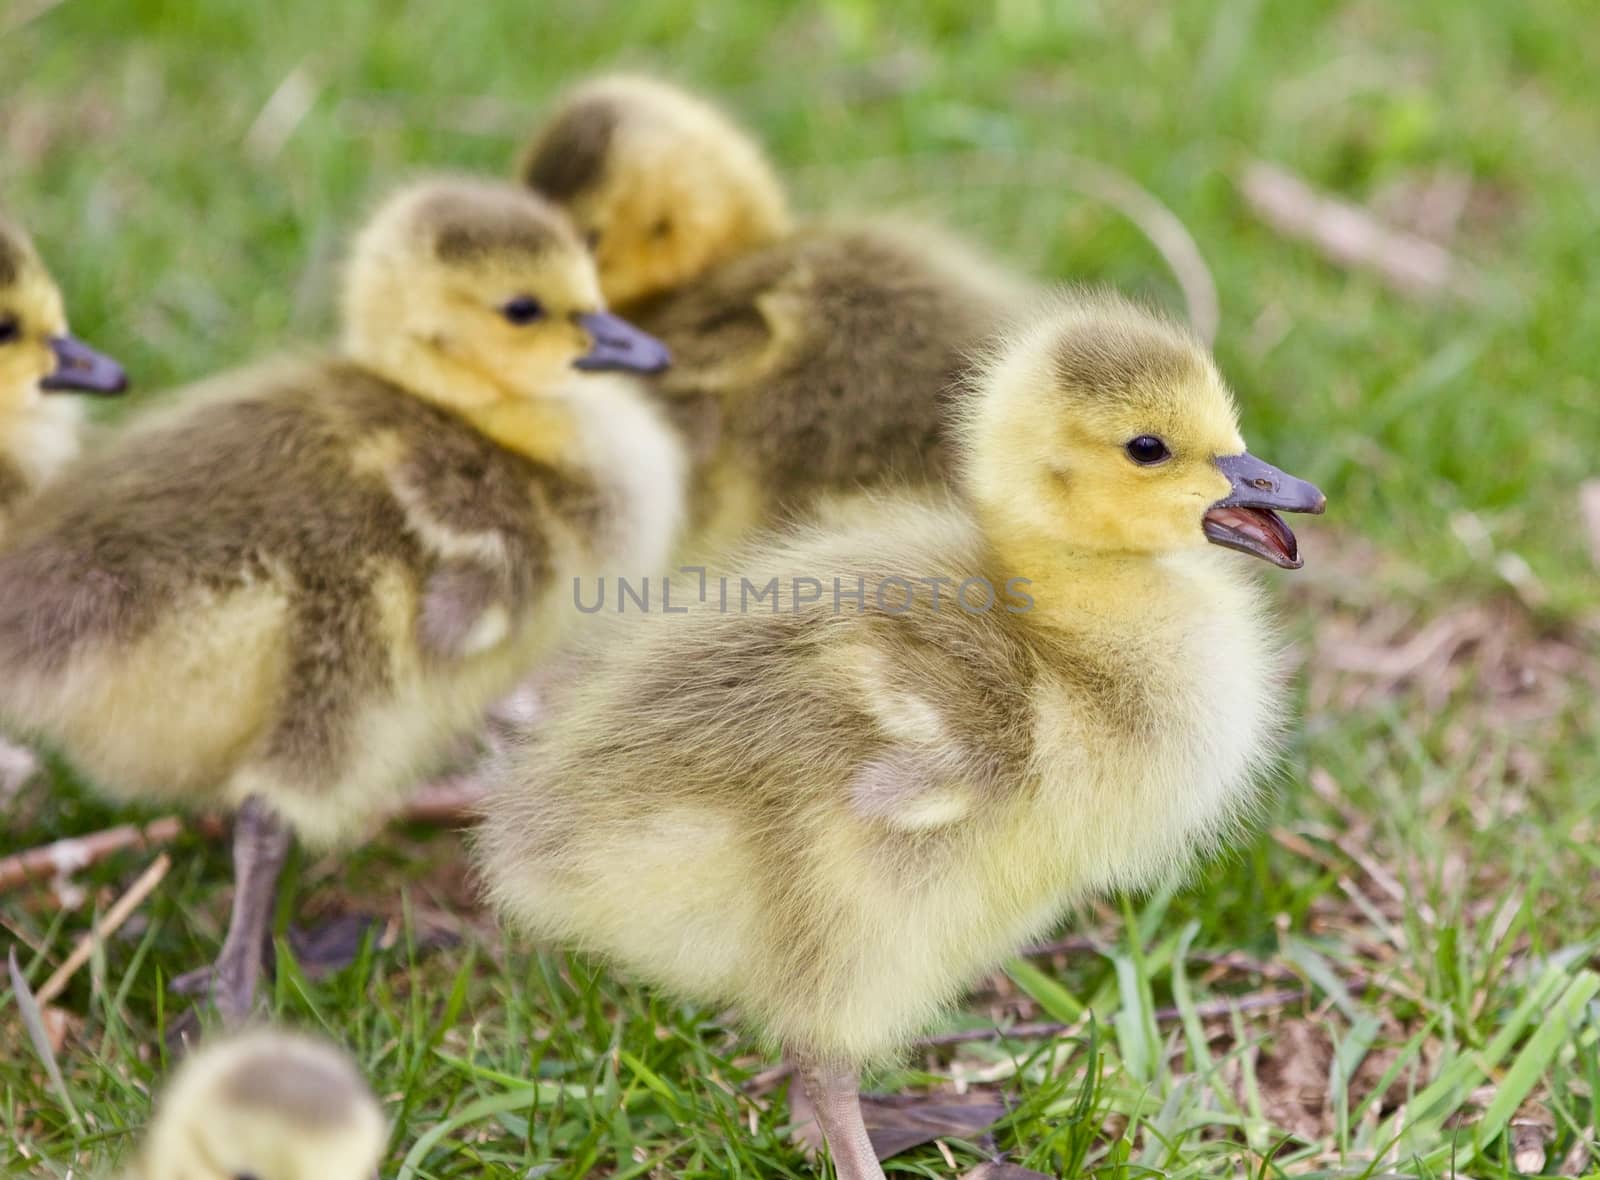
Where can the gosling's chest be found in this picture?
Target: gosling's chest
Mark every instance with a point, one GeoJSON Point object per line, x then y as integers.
{"type": "Point", "coordinates": [37, 445]}
{"type": "Point", "coordinates": [13, 483]}
{"type": "Point", "coordinates": [1158, 761]}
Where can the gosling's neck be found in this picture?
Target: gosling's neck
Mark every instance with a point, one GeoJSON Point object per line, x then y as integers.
{"type": "Point", "coordinates": [38, 439]}
{"type": "Point", "coordinates": [759, 229]}
{"type": "Point", "coordinates": [1074, 589]}
{"type": "Point", "coordinates": [541, 428]}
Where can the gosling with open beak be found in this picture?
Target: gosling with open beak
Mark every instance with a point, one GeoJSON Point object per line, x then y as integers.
{"type": "Point", "coordinates": [1247, 518]}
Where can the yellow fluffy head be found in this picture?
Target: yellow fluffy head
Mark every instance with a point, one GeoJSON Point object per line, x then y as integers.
{"type": "Point", "coordinates": [31, 316]}
{"type": "Point", "coordinates": [266, 1105]}
{"type": "Point", "coordinates": [477, 294]}
{"type": "Point", "coordinates": [1097, 428]}
{"type": "Point", "coordinates": [662, 184]}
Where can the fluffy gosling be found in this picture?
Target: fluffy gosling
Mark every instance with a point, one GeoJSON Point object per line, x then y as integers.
{"type": "Point", "coordinates": [663, 185]}
{"type": "Point", "coordinates": [295, 591]}
{"type": "Point", "coordinates": [264, 1105]}
{"type": "Point", "coordinates": [39, 360]}
{"type": "Point", "coordinates": [810, 362]}
{"type": "Point", "coordinates": [837, 813]}
{"type": "Point", "coordinates": [39, 429]}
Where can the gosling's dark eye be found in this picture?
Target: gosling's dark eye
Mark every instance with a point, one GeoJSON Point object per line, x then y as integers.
{"type": "Point", "coordinates": [524, 309]}
{"type": "Point", "coordinates": [1147, 450]}
{"type": "Point", "coordinates": [592, 240]}
{"type": "Point", "coordinates": [662, 228]}
{"type": "Point", "coordinates": [10, 329]}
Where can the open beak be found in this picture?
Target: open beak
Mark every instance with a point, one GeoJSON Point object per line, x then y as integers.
{"type": "Point", "coordinates": [81, 369]}
{"type": "Point", "coordinates": [619, 345]}
{"type": "Point", "coordinates": [1247, 518]}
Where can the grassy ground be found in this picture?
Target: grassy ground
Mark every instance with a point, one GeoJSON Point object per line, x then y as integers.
{"type": "Point", "coordinates": [1429, 876]}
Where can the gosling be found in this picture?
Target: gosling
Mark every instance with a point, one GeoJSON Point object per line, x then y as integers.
{"type": "Point", "coordinates": [40, 430]}
{"type": "Point", "coordinates": [266, 1105]}
{"type": "Point", "coordinates": [811, 361]}
{"type": "Point", "coordinates": [39, 360]}
{"type": "Point", "coordinates": [293, 593]}
{"type": "Point", "coordinates": [837, 808]}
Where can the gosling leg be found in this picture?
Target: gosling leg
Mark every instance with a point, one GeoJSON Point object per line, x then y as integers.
{"type": "Point", "coordinates": [836, 1098]}
{"type": "Point", "coordinates": [260, 847]}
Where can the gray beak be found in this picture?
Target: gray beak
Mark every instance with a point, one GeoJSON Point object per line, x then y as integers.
{"type": "Point", "coordinates": [1247, 518]}
{"type": "Point", "coordinates": [81, 369]}
{"type": "Point", "coordinates": [619, 345]}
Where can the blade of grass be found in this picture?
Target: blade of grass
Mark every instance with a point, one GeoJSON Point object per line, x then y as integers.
{"type": "Point", "coordinates": [511, 1100]}
{"type": "Point", "coordinates": [1349, 1052]}
{"type": "Point", "coordinates": [1133, 1022]}
{"type": "Point", "coordinates": [1321, 972]}
{"type": "Point", "coordinates": [1194, 1032]}
{"type": "Point", "coordinates": [654, 1081]}
{"type": "Point", "coordinates": [1530, 1064]}
{"type": "Point", "coordinates": [1465, 1072]}
{"type": "Point", "coordinates": [33, 1020]}
{"type": "Point", "coordinates": [547, 1090]}
{"type": "Point", "coordinates": [1056, 1000]}
{"type": "Point", "coordinates": [1408, 1053]}
{"type": "Point", "coordinates": [1138, 995]}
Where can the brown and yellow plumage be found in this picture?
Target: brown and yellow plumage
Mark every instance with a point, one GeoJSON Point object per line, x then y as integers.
{"type": "Point", "coordinates": [299, 585]}
{"type": "Point", "coordinates": [811, 363]}
{"type": "Point", "coordinates": [268, 574]}
{"type": "Point", "coordinates": [836, 812]}
{"type": "Point", "coordinates": [40, 430]}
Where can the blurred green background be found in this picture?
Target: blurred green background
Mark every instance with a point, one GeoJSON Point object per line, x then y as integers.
{"type": "Point", "coordinates": [191, 170]}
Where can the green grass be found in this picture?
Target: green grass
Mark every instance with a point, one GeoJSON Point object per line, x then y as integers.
{"type": "Point", "coordinates": [1449, 435]}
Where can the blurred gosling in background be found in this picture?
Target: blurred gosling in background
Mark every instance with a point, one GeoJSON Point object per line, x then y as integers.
{"type": "Point", "coordinates": [293, 592]}
{"type": "Point", "coordinates": [40, 361]}
{"type": "Point", "coordinates": [809, 361]}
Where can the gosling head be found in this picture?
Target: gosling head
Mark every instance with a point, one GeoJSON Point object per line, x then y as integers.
{"type": "Point", "coordinates": [1105, 428]}
{"type": "Point", "coordinates": [267, 1106]}
{"type": "Point", "coordinates": [38, 357]}
{"type": "Point", "coordinates": [661, 184]}
{"type": "Point", "coordinates": [474, 294]}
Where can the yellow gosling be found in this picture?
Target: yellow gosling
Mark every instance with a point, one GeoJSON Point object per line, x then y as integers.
{"type": "Point", "coordinates": [293, 592]}
{"type": "Point", "coordinates": [837, 809]}
{"type": "Point", "coordinates": [40, 430]}
{"type": "Point", "coordinates": [264, 1105]}
{"type": "Point", "coordinates": [663, 185]}
{"type": "Point", "coordinates": [811, 361]}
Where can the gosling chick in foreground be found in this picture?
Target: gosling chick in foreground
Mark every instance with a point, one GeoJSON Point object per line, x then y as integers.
{"type": "Point", "coordinates": [809, 362]}
{"type": "Point", "coordinates": [295, 591]}
{"type": "Point", "coordinates": [951, 723]}
{"type": "Point", "coordinates": [265, 1105]}
{"type": "Point", "coordinates": [39, 429]}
